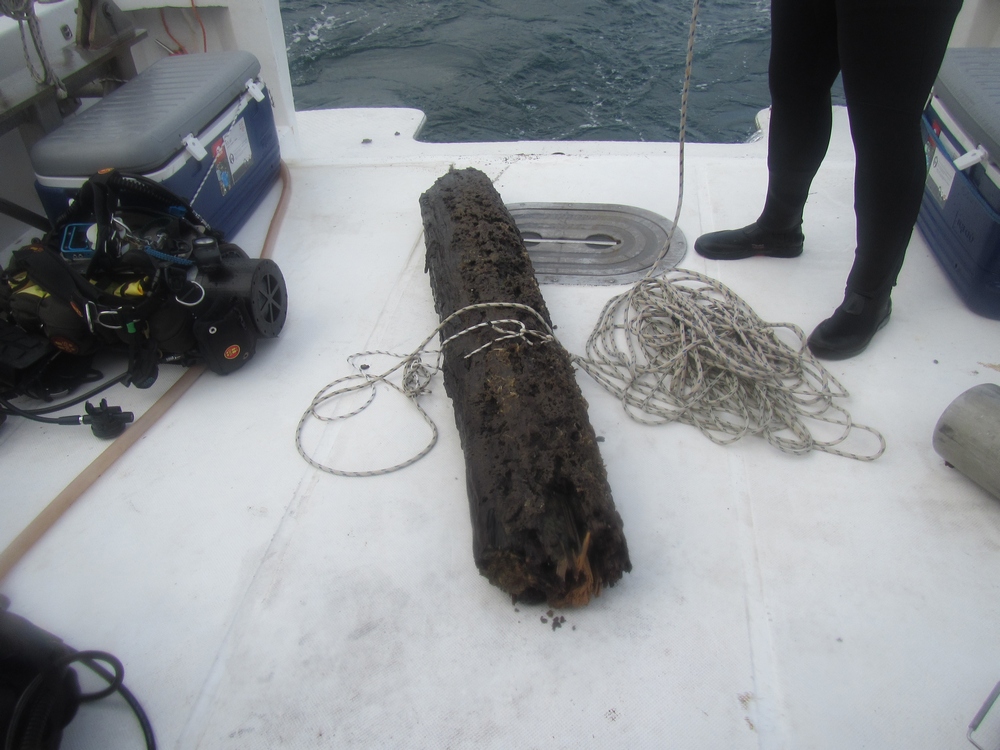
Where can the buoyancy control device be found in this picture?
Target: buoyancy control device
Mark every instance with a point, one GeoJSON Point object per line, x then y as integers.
{"type": "Point", "coordinates": [130, 267]}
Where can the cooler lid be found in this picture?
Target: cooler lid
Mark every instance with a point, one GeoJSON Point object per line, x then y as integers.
{"type": "Point", "coordinates": [968, 85]}
{"type": "Point", "coordinates": [141, 125]}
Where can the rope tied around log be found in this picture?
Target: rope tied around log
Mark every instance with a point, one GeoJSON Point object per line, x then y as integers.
{"type": "Point", "coordinates": [416, 376]}
{"type": "Point", "coordinates": [682, 347]}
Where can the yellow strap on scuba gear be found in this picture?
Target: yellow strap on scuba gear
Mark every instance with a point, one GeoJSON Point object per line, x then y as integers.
{"type": "Point", "coordinates": [21, 284]}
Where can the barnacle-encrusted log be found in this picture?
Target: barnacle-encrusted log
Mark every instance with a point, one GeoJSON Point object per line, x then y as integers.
{"type": "Point", "coordinates": [544, 522]}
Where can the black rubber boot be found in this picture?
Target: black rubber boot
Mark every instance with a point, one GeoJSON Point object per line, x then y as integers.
{"type": "Point", "coordinates": [851, 327]}
{"type": "Point", "coordinates": [735, 244]}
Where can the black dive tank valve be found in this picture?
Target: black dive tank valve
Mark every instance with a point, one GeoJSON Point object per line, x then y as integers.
{"type": "Point", "coordinates": [226, 273]}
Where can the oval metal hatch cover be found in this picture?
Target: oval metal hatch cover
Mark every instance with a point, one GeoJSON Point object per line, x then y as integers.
{"type": "Point", "coordinates": [595, 243]}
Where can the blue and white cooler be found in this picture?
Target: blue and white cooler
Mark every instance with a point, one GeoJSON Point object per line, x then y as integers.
{"type": "Point", "coordinates": [960, 213]}
{"type": "Point", "coordinates": [201, 125]}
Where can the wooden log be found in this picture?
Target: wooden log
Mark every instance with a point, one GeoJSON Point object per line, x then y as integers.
{"type": "Point", "coordinates": [544, 523]}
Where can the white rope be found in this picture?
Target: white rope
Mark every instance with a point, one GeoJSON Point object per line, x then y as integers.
{"type": "Point", "coordinates": [416, 377]}
{"type": "Point", "coordinates": [23, 11]}
{"type": "Point", "coordinates": [685, 348]}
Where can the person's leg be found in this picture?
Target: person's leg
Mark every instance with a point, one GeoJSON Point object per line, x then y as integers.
{"type": "Point", "coordinates": [890, 54]}
{"type": "Point", "coordinates": [802, 68]}
{"type": "Point", "coordinates": [891, 58]}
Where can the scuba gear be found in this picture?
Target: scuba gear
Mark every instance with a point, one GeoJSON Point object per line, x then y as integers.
{"type": "Point", "coordinates": [105, 421]}
{"type": "Point", "coordinates": [131, 267]}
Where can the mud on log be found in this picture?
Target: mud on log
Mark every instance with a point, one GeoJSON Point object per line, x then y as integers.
{"type": "Point", "coordinates": [544, 522]}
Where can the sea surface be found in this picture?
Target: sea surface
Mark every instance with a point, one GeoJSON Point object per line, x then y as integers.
{"type": "Point", "coordinates": [497, 70]}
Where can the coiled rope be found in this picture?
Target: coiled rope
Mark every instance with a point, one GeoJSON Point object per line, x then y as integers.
{"type": "Point", "coordinates": [678, 348]}
{"type": "Point", "coordinates": [685, 348]}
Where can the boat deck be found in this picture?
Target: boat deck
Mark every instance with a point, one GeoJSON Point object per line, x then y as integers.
{"type": "Point", "coordinates": [776, 601]}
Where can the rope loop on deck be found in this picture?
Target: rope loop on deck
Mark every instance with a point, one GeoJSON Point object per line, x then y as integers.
{"type": "Point", "coordinates": [417, 374]}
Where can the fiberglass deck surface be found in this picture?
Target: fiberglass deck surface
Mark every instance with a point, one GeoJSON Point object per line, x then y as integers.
{"type": "Point", "coordinates": [775, 601]}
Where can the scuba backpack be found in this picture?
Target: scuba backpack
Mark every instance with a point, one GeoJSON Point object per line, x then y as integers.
{"type": "Point", "coordinates": [131, 267]}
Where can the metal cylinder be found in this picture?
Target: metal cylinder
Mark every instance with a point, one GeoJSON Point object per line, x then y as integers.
{"type": "Point", "coordinates": [967, 436]}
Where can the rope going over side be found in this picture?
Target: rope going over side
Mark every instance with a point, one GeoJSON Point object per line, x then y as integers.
{"type": "Point", "coordinates": [685, 348]}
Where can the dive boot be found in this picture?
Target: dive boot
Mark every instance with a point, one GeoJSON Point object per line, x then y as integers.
{"type": "Point", "coordinates": [851, 327]}
{"type": "Point", "coordinates": [736, 244]}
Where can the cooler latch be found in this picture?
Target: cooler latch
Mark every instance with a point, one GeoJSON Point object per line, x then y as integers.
{"type": "Point", "coordinates": [194, 147]}
{"type": "Point", "coordinates": [256, 89]}
{"type": "Point", "coordinates": [976, 156]}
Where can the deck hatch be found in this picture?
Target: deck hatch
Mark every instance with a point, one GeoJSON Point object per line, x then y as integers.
{"type": "Point", "coordinates": [595, 243]}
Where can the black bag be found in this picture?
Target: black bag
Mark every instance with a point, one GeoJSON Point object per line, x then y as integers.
{"type": "Point", "coordinates": [39, 690]}
{"type": "Point", "coordinates": [32, 658]}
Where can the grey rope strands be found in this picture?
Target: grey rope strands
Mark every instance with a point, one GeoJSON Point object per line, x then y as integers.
{"type": "Point", "coordinates": [23, 11]}
{"type": "Point", "coordinates": [416, 377]}
{"type": "Point", "coordinates": [685, 348]}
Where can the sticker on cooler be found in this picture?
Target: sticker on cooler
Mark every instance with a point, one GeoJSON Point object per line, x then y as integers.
{"type": "Point", "coordinates": [233, 155]}
{"type": "Point", "coordinates": [941, 175]}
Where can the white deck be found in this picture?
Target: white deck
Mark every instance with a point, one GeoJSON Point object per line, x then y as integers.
{"type": "Point", "coordinates": [775, 601]}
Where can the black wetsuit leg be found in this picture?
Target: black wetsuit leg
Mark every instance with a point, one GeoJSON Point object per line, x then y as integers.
{"type": "Point", "coordinates": [889, 52]}
{"type": "Point", "coordinates": [804, 64]}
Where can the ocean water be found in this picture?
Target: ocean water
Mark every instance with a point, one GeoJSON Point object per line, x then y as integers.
{"type": "Point", "coordinates": [494, 70]}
